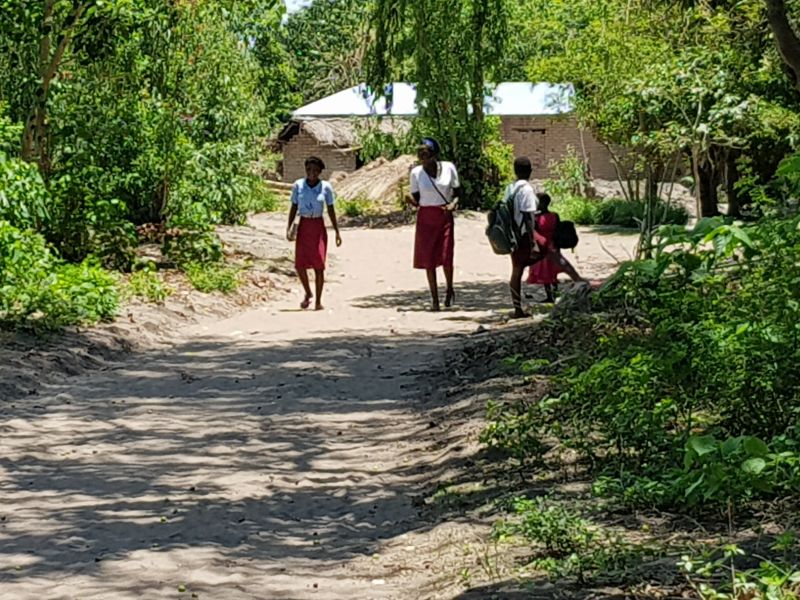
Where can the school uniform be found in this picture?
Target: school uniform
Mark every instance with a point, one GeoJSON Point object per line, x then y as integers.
{"type": "Point", "coordinates": [545, 272]}
{"type": "Point", "coordinates": [524, 202]}
{"type": "Point", "coordinates": [434, 238]}
{"type": "Point", "coordinates": [311, 245]}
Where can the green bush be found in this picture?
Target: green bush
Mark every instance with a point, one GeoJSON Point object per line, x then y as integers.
{"type": "Point", "coordinates": [615, 211]}
{"type": "Point", "coordinates": [37, 289]}
{"type": "Point", "coordinates": [717, 574]}
{"type": "Point", "coordinates": [84, 293]}
{"type": "Point", "coordinates": [570, 175]}
{"type": "Point", "coordinates": [694, 362]}
{"type": "Point", "coordinates": [209, 278]}
{"type": "Point", "coordinates": [580, 211]}
{"type": "Point", "coordinates": [10, 134]}
{"type": "Point", "coordinates": [261, 199]}
{"type": "Point", "coordinates": [216, 176]}
{"type": "Point", "coordinates": [566, 544]}
{"type": "Point", "coordinates": [190, 237]}
{"type": "Point", "coordinates": [146, 283]}
{"type": "Point", "coordinates": [356, 207]}
{"type": "Point", "coordinates": [24, 199]}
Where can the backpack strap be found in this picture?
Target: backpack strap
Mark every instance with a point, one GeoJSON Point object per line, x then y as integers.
{"type": "Point", "coordinates": [436, 187]}
{"type": "Point", "coordinates": [512, 209]}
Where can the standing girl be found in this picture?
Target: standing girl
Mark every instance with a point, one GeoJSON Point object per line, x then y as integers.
{"type": "Point", "coordinates": [310, 196]}
{"type": "Point", "coordinates": [434, 191]}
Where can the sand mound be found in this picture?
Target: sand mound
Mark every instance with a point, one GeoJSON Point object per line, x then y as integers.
{"type": "Point", "coordinates": [381, 182]}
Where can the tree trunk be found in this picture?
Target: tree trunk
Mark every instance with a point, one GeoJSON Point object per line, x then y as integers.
{"type": "Point", "coordinates": [785, 37]}
{"type": "Point", "coordinates": [731, 178]}
{"type": "Point", "coordinates": [707, 189]}
{"type": "Point", "coordinates": [35, 137]}
{"type": "Point", "coordinates": [696, 176]}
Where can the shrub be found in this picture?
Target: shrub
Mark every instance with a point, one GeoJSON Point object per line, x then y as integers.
{"type": "Point", "coordinates": [146, 283]}
{"type": "Point", "coordinates": [716, 574]}
{"type": "Point", "coordinates": [261, 199]}
{"type": "Point", "coordinates": [83, 293]}
{"type": "Point", "coordinates": [570, 175]}
{"type": "Point", "coordinates": [190, 237]}
{"type": "Point", "coordinates": [209, 278]}
{"type": "Point", "coordinates": [567, 545]}
{"type": "Point", "coordinates": [693, 364]}
{"type": "Point", "coordinates": [38, 290]}
{"type": "Point", "coordinates": [217, 177]}
{"type": "Point", "coordinates": [24, 199]}
{"type": "Point", "coordinates": [581, 211]}
{"type": "Point", "coordinates": [356, 207]}
{"type": "Point", "coordinates": [615, 211]}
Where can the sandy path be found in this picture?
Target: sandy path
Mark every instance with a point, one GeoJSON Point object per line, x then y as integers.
{"type": "Point", "coordinates": [265, 456]}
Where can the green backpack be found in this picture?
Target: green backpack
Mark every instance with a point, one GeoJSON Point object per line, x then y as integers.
{"type": "Point", "coordinates": [502, 232]}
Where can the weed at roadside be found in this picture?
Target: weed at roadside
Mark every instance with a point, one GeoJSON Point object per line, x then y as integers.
{"type": "Point", "coordinates": [212, 277]}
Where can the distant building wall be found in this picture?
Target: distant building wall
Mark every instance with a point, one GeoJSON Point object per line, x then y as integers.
{"type": "Point", "coordinates": [542, 139]}
{"type": "Point", "coordinates": [301, 146]}
{"type": "Point", "coordinates": [547, 139]}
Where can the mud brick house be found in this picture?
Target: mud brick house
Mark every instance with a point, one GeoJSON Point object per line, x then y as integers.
{"type": "Point", "coordinates": [536, 119]}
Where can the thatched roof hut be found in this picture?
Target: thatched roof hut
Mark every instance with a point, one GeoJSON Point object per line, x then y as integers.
{"type": "Point", "coordinates": [335, 141]}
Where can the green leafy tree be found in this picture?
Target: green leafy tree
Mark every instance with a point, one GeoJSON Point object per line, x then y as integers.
{"type": "Point", "coordinates": [696, 84]}
{"type": "Point", "coordinates": [454, 51]}
{"type": "Point", "coordinates": [326, 43]}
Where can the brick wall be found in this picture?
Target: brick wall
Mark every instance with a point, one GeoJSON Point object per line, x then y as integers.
{"type": "Point", "coordinates": [546, 139]}
{"type": "Point", "coordinates": [542, 139]}
{"type": "Point", "coordinates": [302, 146]}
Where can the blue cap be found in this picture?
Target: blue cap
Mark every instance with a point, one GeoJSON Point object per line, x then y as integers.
{"type": "Point", "coordinates": [431, 143]}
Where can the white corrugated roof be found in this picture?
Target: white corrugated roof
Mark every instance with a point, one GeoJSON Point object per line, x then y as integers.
{"type": "Point", "coordinates": [509, 98]}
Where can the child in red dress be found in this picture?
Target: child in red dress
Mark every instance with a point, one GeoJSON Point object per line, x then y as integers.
{"type": "Point", "coordinates": [545, 272]}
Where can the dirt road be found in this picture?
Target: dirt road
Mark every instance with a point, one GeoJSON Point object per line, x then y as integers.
{"type": "Point", "coordinates": [276, 454]}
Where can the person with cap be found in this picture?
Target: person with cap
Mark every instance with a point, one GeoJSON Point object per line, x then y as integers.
{"type": "Point", "coordinates": [310, 196]}
{"type": "Point", "coordinates": [434, 188]}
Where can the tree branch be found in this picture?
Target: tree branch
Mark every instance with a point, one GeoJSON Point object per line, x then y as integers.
{"type": "Point", "coordinates": [63, 42]}
{"type": "Point", "coordinates": [785, 37]}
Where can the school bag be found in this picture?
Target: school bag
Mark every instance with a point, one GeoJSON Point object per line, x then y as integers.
{"type": "Point", "coordinates": [502, 232]}
{"type": "Point", "coordinates": [565, 236]}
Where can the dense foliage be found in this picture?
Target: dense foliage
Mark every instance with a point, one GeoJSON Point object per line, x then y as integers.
{"type": "Point", "coordinates": [450, 51]}
{"type": "Point", "coordinates": [326, 43]}
{"type": "Point", "coordinates": [689, 392]}
{"type": "Point", "coordinates": [113, 115]}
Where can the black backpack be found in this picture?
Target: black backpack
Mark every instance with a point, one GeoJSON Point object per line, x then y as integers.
{"type": "Point", "coordinates": [565, 236]}
{"type": "Point", "coordinates": [502, 231]}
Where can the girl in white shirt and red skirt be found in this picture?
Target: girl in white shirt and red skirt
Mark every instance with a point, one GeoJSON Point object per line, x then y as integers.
{"type": "Point", "coordinates": [435, 189]}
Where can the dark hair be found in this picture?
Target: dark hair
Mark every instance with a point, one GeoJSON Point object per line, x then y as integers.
{"type": "Point", "coordinates": [431, 144]}
{"type": "Point", "coordinates": [523, 167]}
{"type": "Point", "coordinates": [313, 160]}
{"type": "Point", "coordinates": [544, 200]}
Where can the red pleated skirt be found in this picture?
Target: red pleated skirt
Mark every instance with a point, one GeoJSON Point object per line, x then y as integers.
{"type": "Point", "coordinates": [545, 271]}
{"type": "Point", "coordinates": [311, 246]}
{"type": "Point", "coordinates": [434, 240]}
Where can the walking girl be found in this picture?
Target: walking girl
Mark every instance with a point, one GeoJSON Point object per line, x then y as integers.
{"type": "Point", "coordinates": [310, 197]}
{"type": "Point", "coordinates": [434, 188]}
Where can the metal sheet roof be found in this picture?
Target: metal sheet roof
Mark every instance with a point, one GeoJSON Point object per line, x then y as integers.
{"type": "Point", "coordinates": [509, 98]}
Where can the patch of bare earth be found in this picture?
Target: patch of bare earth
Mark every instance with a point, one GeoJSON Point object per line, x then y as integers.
{"type": "Point", "coordinates": [272, 452]}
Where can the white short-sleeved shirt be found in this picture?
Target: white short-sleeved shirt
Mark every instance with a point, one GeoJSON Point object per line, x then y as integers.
{"type": "Point", "coordinates": [525, 200]}
{"type": "Point", "coordinates": [446, 182]}
{"type": "Point", "coordinates": [311, 201]}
